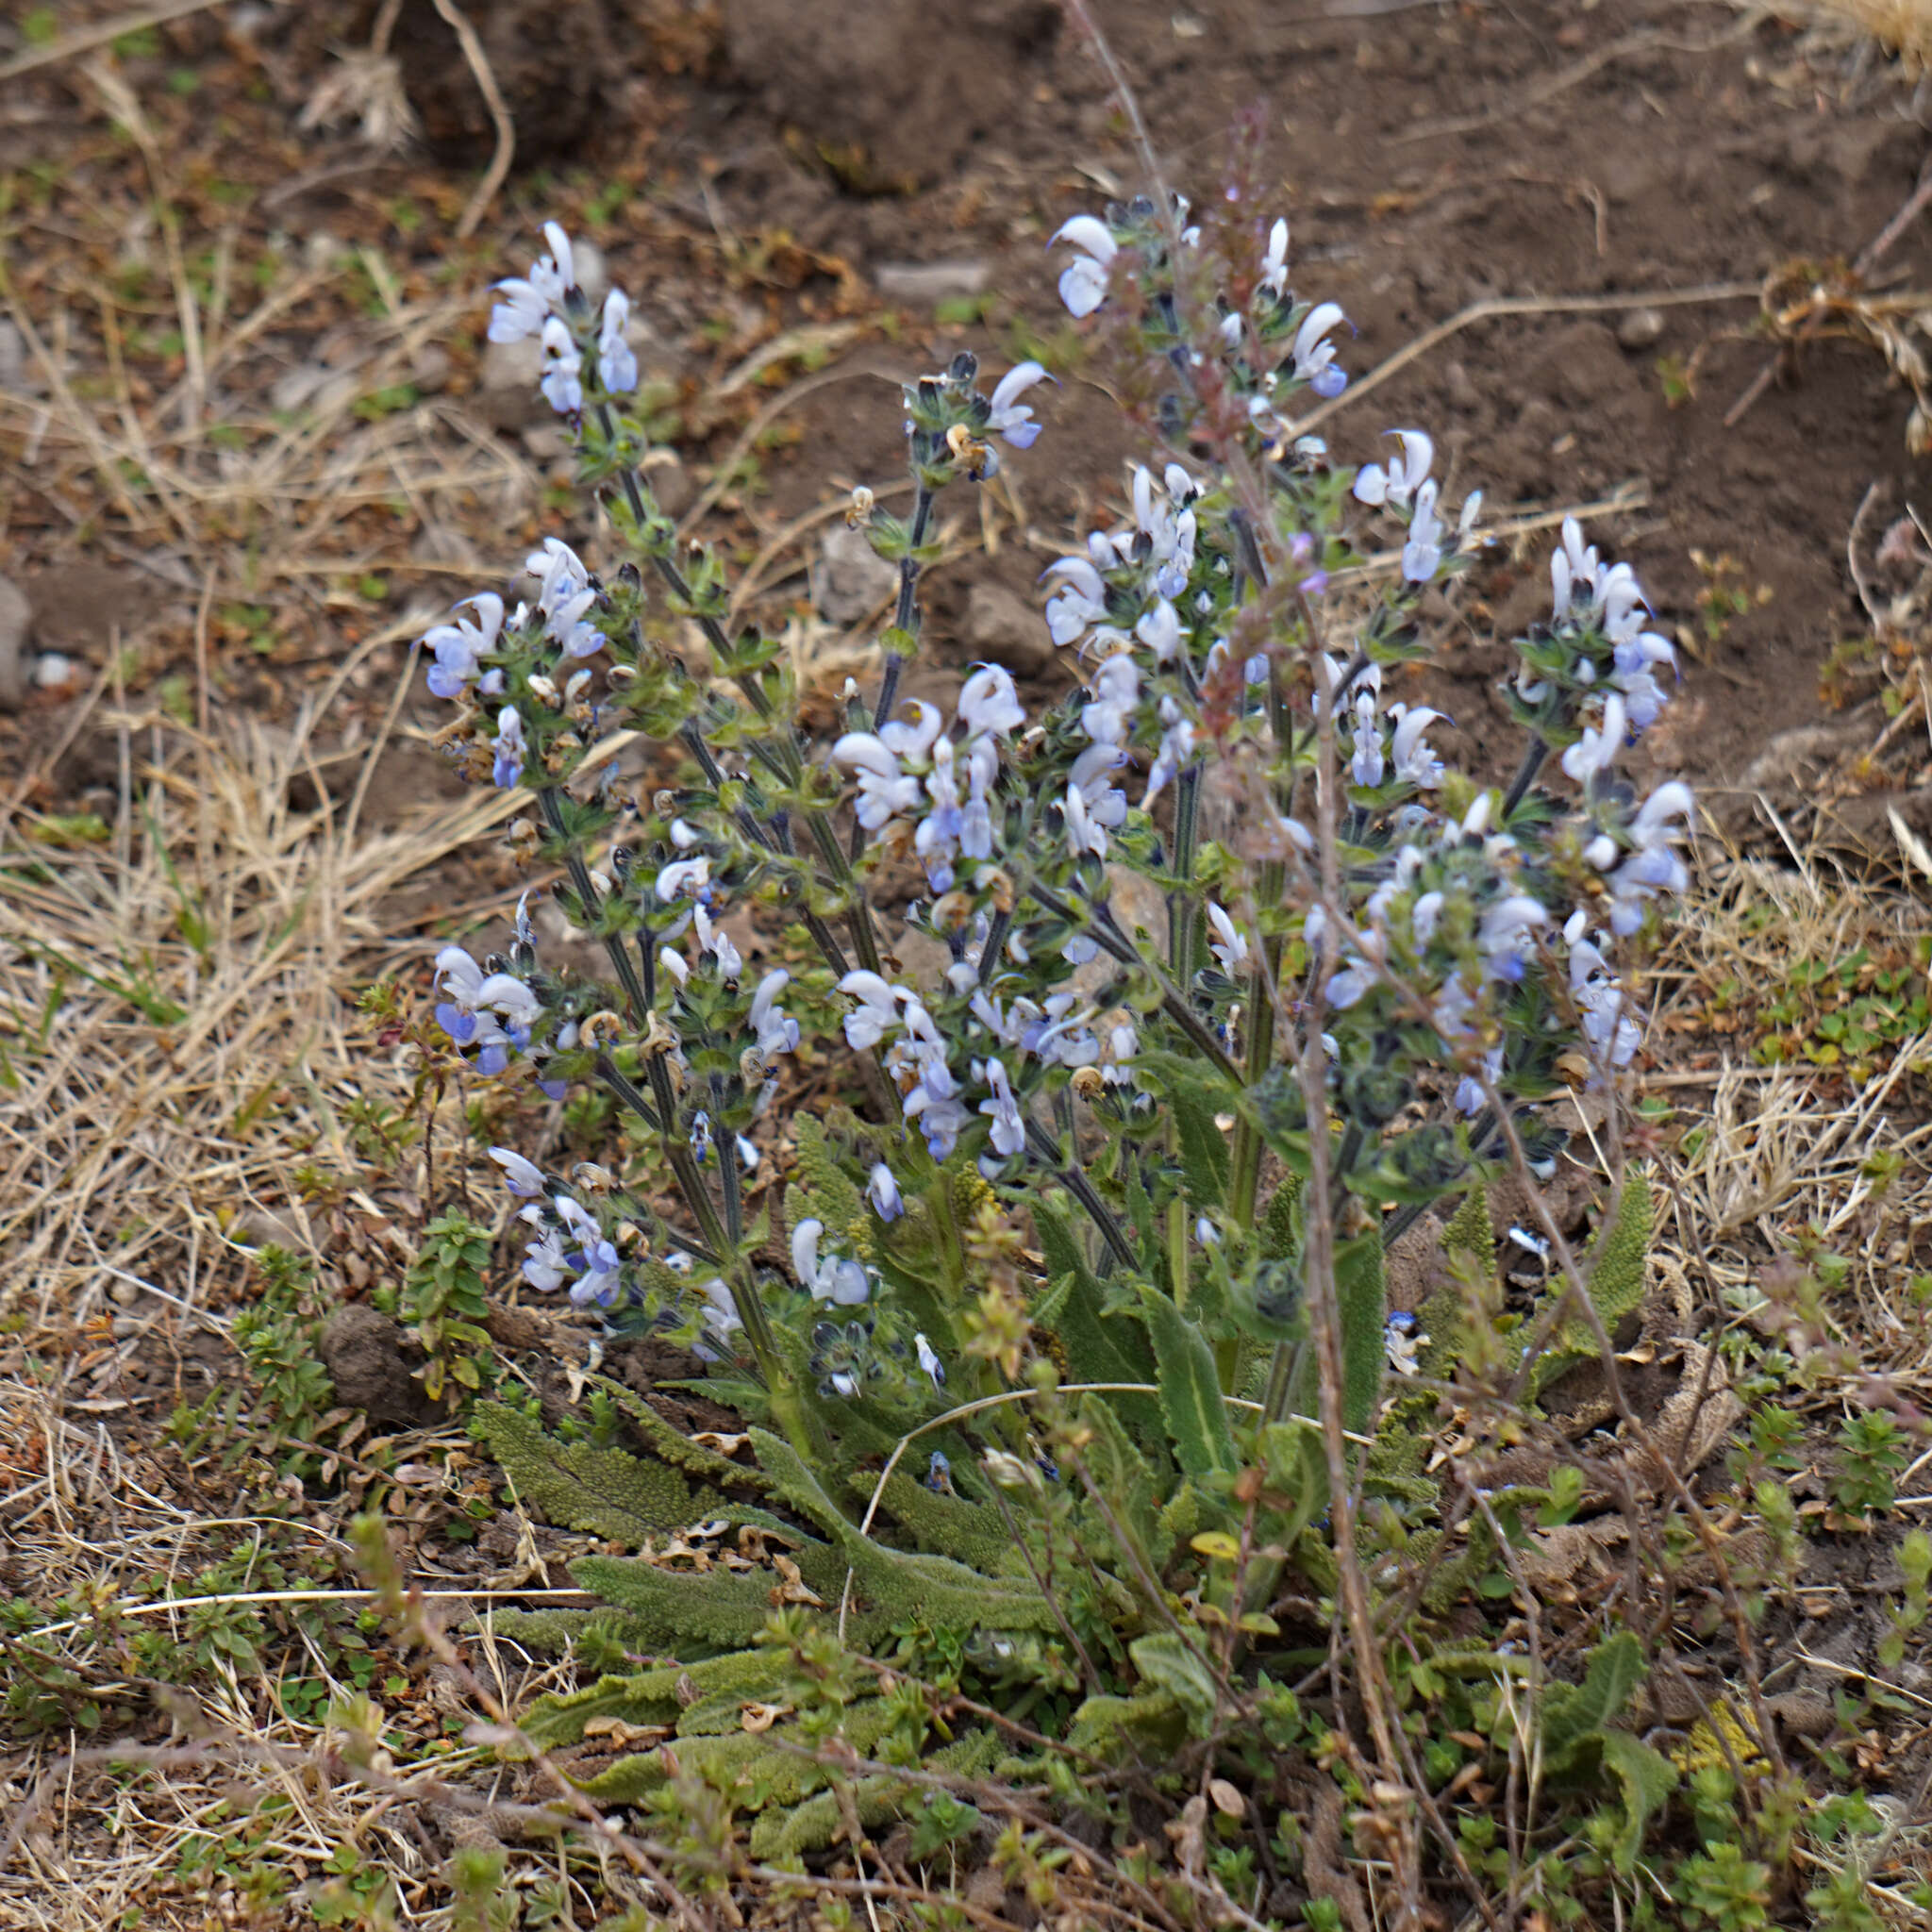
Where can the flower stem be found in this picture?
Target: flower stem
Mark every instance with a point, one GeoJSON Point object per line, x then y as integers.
{"type": "Point", "coordinates": [1082, 1189]}
{"type": "Point", "coordinates": [905, 612]}
{"type": "Point", "coordinates": [1533, 756]}
{"type": "Point", "coordinates": [614, 947]}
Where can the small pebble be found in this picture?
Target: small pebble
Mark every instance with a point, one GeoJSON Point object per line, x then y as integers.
{"type": "Point", "coordinates": [1641, 328]}
{"type": "Point", "coordinates": [52, 670]}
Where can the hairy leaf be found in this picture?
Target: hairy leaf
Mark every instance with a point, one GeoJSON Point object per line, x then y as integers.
{"type": "Point", "coordinates": [1190, 1398]}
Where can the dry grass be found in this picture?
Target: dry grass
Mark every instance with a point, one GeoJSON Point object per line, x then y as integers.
{"type": "Point", "coordinates": [176, 1003]}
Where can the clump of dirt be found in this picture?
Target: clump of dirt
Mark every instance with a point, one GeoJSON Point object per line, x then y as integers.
{"type": "Point", "coordinates": [370, 1359]}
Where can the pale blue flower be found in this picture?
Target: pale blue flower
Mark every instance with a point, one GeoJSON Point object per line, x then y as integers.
{"type": "Point", "coordinates": [509, 747]}
{"type": "Point", "coordinates": [1012, 420]}
{"type": "Point", "coordinates": [520, 1176]}
{"type": "Point", "coordinates": [1314, 354]}
{"type": "Point", "coordinates": [1399, 482]}
{"type": "Point", "coordinates": [458, 646]}
{"type": "Point", "coordinates": [617, 367]}
{"type": "Point", "coordinates": [882, 1191]}
{"type": "Point", "coordinates": [836, 1278]}
{"type": "Point", "coordinates": [1008, 1130]}
{"type": "Point", "coordinates": [929, 1361]}
{"type": "Point", "coordinates": [561, 381]}
{"type": "Point", "coordinates": [1083, 281]}
{"type": "Point", "coordinates": [773, 1031]}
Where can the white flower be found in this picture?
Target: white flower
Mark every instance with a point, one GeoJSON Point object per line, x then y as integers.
{"type": "Point", "coordinates": [1506, 931]}
{"type": "Point", "coordinates": [1367, 765]}
{"type": "Point", "coordinates": [885, 792]}
{"type": "Point", "coordinates": [520, 1176]}
{"type": "Point", "coordinates": [1596, 750]}
{"type": "Point", "coordinates": [988, 702]}
{"type": "Point", "coordinates": [1083, 281]}
{"type": "Point", "coordinates": [510, 748]}
{"type": "Point", "coordinates": [1176, 747]}
{"type": "Point", "coordinates": [1654, 867]}
{"type": "Point", "coordinates": [929, 1361]}
{"type": "Point", "coordinates": [1401, 1337]}
{"type": "Point", "coordinates": [1403, 477]}
{"type": "Point", "coordinates": [1012, 418]}
{"type": "Point", "coordinates": [877, 1012]}
{"type": "Point", "coordinates": [836, 1278]}
{"type": "Point", "coordinates": [775, 1032]}
{"type": "Point", "coordinates": [1078, 603]}
{"type": "Point", "coordinates": [1008, 1132]}
{"type": "Point", "coordinates": [1170, 529]}
{"type": "Point", "coordinates": [1231, 949]}
{"type": "Point", "coordinates": [1160, 632]}
{"type": "Point", "coordinates": [457, 646]}
{"type": "Point", "coordinates": [1083, 834]}
{"type": "Point", "coordinates": [545, 1266]}
{"type": "Point", "coordinates": [685, 878]}
{"type": "Point", "coordinates": [1612, 1035]}
{"type": "Point", "coordinates": [1314, 354]}
{"type": "Point", "coordinates": [1415, 764]}
{"type": "Point", "coordinates": [525, 304]}
{"type": "Point", "coordinates": [617, 367]}
{"type": "Point", "coordinates": [1422, 554]}
{"type": "Point", "coordinates": [721, 1313]}
{"type": "Point", "coordinates": [1108, 718]}
{"type": "Point", "coordinates": [562, 382]}
{"type": "Point", "coordinates": [1274, 279]}
{"type": "Point", "coordinates": [882, 1191]}
{"type": "Point", "coordinates": [712, 940]}
{"type": "Point", "coordinates": [509, 999]}
{"type": "Point", "coordinates": [1105, 803]}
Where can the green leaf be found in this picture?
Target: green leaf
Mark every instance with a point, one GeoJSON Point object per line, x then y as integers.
{"type": "Point", "coordinates": [1203, 1146]}
{"type": "Point", "coordinates": [1646, 1778]}
{"type": "Point", "coordinates": [1572, 1712]}
{"type": "Point", "coordinates": [1191, 1399]}
{"type": "Point", "coordinates": [1170, 1665]}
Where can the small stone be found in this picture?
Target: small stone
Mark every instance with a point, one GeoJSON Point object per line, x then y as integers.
{"type": "Point", "coordinates": [931, 281]}
{"type": "Point", "coordinates": [1641, 328]}
{"type": "Point", "coordinates": [1001, 624]}
{"type": "Point", "coordinates": [52, 670]}
{"type": "Point", "coordinates": [16, 616]}
{"type": "Point", "coordinates": [852, 580]}
{"type": "Point", "coordinates": [429, 369]}
{"type": "Point", "coordinates": [546, 441]}
{"type": "Point", "coordinates": [1461, 391]}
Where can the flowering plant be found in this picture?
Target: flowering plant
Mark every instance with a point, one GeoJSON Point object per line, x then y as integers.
{"type": "Point", "coordinates": [1374, 974]}
{"type": "Point", "coordinates": [1374, 970]}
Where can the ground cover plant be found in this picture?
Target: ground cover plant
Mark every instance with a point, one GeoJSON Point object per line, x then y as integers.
{"type": "Point", "coordinates": [1169, 1386]}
